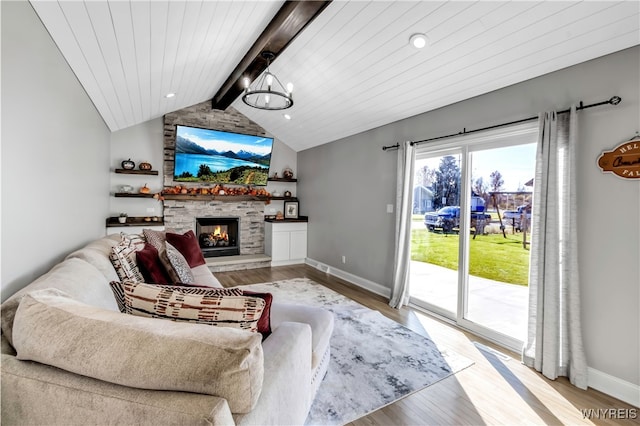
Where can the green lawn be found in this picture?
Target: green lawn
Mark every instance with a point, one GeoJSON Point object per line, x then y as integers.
{"type": "Point", "coordinates": [491, 256]}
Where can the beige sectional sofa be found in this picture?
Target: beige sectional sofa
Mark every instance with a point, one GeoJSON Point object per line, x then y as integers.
{"type": "Point", "coordinates": [70, 357]}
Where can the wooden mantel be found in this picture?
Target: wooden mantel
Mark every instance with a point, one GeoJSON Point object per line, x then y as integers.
{"type": "Point", "coordinates": [223, 198]}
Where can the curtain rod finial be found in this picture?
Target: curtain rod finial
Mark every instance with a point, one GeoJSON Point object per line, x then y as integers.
{"type": "Point", "coordinates": [615, 100]}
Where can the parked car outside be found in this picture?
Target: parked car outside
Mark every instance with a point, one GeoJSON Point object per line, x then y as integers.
{"type": "Point", "coordinates": [448, 217]}
{"type": "Point", "coordinates": [515, 216]}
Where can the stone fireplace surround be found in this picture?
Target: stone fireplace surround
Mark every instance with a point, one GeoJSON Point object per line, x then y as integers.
{"type": "Point", "coordinates": [180, 217]}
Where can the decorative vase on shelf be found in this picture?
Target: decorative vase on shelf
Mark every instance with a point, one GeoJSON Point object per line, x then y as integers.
{"type": "Point", "coordinates": [122, 218]}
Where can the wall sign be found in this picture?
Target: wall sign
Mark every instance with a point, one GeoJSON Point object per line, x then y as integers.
{"type": "Point", "coordinates": [624, 160]}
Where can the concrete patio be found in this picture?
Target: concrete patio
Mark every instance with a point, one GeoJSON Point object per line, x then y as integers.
{"type": "Point", "coordinates": [493, 304]}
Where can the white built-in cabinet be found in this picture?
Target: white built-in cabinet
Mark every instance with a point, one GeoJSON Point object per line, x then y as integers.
{"type": "Point", "coordinates": [285, 242]}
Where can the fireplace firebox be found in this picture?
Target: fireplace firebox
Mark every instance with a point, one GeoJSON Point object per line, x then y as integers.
{"type": "Point", "coordinates": [218, 236]}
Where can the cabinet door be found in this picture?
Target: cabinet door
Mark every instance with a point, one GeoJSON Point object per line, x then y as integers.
{"type": "Point", "coordinates": [298, 248]}
{"type": "Point", "coordinates": [280, 246]}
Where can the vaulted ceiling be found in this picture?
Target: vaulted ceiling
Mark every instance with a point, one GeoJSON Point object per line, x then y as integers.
{"type": "Point", "coordinates": [352, 67]}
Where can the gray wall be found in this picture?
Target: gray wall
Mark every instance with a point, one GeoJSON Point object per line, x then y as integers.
{"type": "Point", "coordinates": [55, 153]}
{"type": "Point", "coordinates": [345, 185]}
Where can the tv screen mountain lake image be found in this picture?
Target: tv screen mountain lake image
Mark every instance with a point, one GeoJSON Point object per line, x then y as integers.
{"type": "Point", "coordinates": [213, 156]}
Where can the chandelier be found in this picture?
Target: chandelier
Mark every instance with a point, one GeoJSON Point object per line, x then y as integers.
{"type": "Point", "coordinates": [267, 91]}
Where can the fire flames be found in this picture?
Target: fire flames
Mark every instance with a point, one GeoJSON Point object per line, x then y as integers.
{"type": "Point", "coordinates": [217, 238]}
{"type": "Point", "coordinates": [219, 234]}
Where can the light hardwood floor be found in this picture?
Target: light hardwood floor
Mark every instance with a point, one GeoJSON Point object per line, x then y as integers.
{"type": "Point", "coordinates": [493, 391]}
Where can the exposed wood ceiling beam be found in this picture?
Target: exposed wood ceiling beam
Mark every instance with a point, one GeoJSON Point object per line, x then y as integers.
{"type": "Point", "coordinates": [290, 21]}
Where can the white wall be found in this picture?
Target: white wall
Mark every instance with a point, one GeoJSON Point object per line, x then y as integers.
{"type": "Point", "coordinates": [55, 153]}
{"type": "Point", "coordinates": [346, 184]}
{"type": "Point", "coordinates": [143, 142]}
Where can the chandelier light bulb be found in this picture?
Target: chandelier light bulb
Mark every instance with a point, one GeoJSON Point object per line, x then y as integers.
{"type": "Point", "coordinates": [266, 91]}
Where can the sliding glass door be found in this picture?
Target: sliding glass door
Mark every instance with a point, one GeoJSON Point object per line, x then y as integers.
{"type": "Point", "coordinates": [435, 232]}
{"type": "Point", "coordinates": [471, 231]}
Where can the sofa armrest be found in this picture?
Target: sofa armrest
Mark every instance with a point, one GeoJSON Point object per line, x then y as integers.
{"type": "Point", "coordinates": [34, 393]}
{"type": "Point", "coordinates": [286, 389]}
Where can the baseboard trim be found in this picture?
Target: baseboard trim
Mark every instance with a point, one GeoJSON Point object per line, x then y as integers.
{"type": "Point", "coordinates": [353, 279]}
{"type": "Point", "coordinates": [614, 386]}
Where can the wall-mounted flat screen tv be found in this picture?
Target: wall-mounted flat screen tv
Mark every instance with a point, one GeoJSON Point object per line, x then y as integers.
{"type": "Point", "coordinates": [214, 156]}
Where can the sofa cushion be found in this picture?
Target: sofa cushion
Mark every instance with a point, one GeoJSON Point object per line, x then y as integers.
{"type": "Point", "coordinates": [145, 353]}
{"type": "Point", "coordinates": [203, 276]}
{"type": "Point", "coordinates": [188, 245]}
{"type": "Point", "coordinates": [201, 305]}
{"type": "Point", "coordinates": [150, 265]}
{"type": "Point", "coordinates": [320, 320]}
{"type": "Point", "coordinates": [123, 258]}
{"type": "Point", "coordinates": [81, 280]}
{"type": "Point", "coordinates": [97, 253]}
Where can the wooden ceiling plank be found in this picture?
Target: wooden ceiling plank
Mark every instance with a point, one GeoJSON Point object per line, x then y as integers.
{"type": "Point", "coordinates": [123, 30]}
{"type": "Point", "coordinates": [290, 20]}
{"type": "Point", "coordinates": [102, 24]}
{"type": "Point", "coordinates": [210, 48]}
{"type": "Point", "coordinates": [141, 25]}
{"type": "Point", "coordinates": [65, 39]}
{"type": "Point", "coordinates": [80, 23]}
{"type": "Point", "coordinates": [158, 18]}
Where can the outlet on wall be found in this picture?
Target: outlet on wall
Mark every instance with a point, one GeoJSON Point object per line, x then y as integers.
{"type": "Point", "coordinates": [344, 259]}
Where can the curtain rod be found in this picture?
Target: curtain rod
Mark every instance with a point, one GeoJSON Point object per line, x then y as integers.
{"type": "Point", "coordinates": [615, 100]}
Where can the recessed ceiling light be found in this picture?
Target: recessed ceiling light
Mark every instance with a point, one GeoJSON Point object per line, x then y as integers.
{"type": "Point", "coordinates": [418, 40]}
{"type": "Point", "coordinates": [169, 95]}
{"type": "Point", "coordinates": [287, 116]}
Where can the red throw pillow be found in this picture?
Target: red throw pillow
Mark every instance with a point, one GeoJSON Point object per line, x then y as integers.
{"type": "Point", "coordinates": [149, 264]}
{"type": "Point", "coordinates": [264, 323]}
{"type": "Point", "coordinates": [187, 245]}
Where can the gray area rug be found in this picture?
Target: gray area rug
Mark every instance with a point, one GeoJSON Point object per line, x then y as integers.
{"type": "Point", "coordinates": [374, 360]}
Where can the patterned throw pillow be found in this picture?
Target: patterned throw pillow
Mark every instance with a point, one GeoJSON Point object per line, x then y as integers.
{"type": "Point", "coordinates": [133, 240]}
{"type": "Point", "coordinates": [123, 259]}
{"type": "Point", "coordinates": [192, 304]}
{"type": "Point", "coordinates": [264, 324]}
{"type": "Point", "coordinates": [179, 265]}
{"type": "Point", "coordinates": [158, 239]}
{"type": "Point", "coordinates": [117, 287]}
{"type": "Point", "coordinates": [155, 238]}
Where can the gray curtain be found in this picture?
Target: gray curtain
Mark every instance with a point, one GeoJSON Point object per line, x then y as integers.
{"type": "Point", "coordinates": [554, 339]}
{"type": "Point", "coordinates": [404, 200]}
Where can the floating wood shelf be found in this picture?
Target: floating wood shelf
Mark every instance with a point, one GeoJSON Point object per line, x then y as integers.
{"type": "Point", "coordinates": [285, 198]}
{"type": "Point", "coordinates": [113, 222]}
{"type": "Point", "coordinates": [133, 195]}
{"type": "Point", "coordinates": [282, 179]}
{"type": "Point", "coordinates": [299, 219]}
{"type": "Point", "coordinates": [137, 172]}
